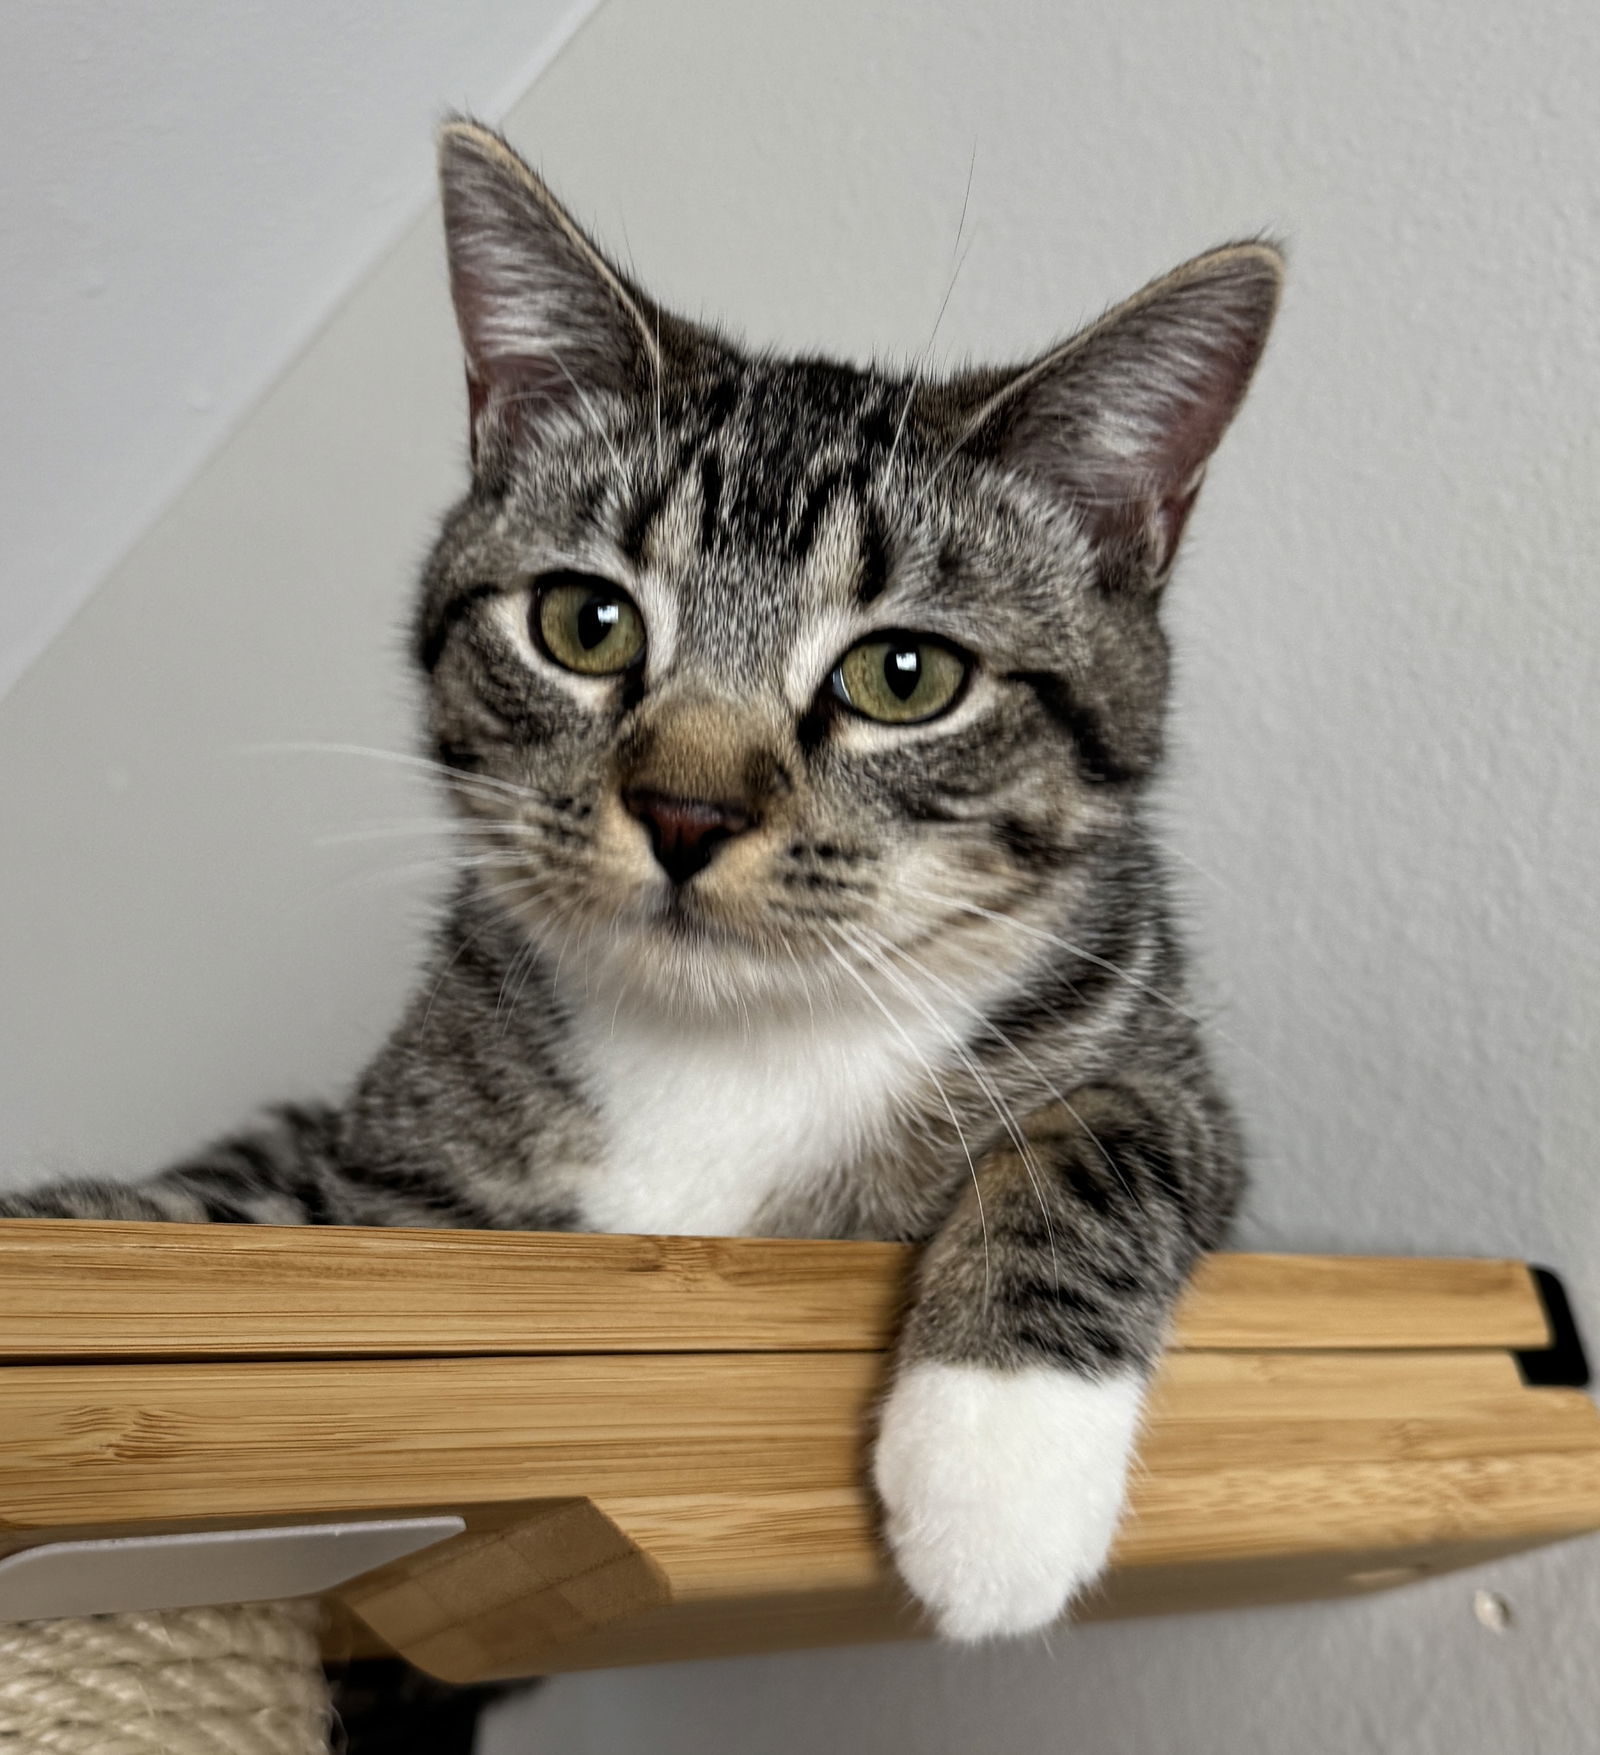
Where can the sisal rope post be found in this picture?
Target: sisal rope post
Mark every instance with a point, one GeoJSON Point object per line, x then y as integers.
{"type": "Point", "coordinates": [241, 1680]}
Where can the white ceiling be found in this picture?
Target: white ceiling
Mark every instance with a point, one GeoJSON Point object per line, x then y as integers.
{"type": "Point", "coordinates": [186, 191]}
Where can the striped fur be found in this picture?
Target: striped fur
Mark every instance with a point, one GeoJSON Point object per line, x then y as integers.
{"type": "Point", "coordinates": [929, 986]}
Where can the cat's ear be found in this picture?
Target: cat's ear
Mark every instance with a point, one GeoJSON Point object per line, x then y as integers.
{"type": "Point", "coordinates": [1122, 419]}
{"type": "Point", "coordinates": [546, 320]}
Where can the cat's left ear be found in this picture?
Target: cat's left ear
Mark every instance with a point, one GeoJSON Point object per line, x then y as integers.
{"type": "Point", "coordinates": [547, 322]}
{"type": "Point", "coordinates": [1121, 420]}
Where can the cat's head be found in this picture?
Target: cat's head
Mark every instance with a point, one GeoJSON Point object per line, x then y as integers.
{"type": "Point", "coordinates": [755, 673]}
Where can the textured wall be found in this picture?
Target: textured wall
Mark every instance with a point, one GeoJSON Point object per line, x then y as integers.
{"type": "Point", "coordinates": [1386, 730]}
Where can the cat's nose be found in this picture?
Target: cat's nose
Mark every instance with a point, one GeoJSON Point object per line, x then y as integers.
{"type": "Point", "coordinates": [685, 832]}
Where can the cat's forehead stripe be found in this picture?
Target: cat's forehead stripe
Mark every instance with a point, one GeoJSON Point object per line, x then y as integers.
{"type": "Point", "coordinates": [797, 435]}
{"type": "Point", "coordinates": [873, 578]}
{"type": "Point", "coordinates": [633, 537]}
{"type": "Point", "coordinates": [675, 525]}
{"type": "Point", "coordinates": [780, 466]}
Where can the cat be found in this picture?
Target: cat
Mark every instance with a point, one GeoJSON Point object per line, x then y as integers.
{"type": "Point", "coordinates": [799, 720]}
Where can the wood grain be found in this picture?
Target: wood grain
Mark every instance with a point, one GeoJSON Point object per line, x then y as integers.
{"type": "Point", "coordinates": [1225, 1443]}
{"type": "Point", "coordinates": [483, 1605]}
{"type": "Point", "coordinates": [1246, 1302]}
{"type": "Point", "coordinates": [99, 1442]}
{"type": "Point", "coordinates": [81, 1289]}
{"type": "Point", "coordinates": [658, 1444]}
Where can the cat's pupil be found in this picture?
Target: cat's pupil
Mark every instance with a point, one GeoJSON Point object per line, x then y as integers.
{"type": "Point", "coordinates": [597, 621]}
{"type": "Point", "coordinates": [902, 671]}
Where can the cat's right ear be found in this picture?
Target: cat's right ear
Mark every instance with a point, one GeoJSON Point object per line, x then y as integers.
{"type": "Point", "coordinates": [547, 322]}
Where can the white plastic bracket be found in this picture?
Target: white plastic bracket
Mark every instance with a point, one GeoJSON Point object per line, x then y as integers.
{"type": "Point", "coordinates": [187, 1571]}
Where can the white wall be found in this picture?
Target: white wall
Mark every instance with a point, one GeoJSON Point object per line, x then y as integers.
{"type": "Point", "coordinates": [186, 191]}
{"type": "Point", "coordinates": [1387, 722]}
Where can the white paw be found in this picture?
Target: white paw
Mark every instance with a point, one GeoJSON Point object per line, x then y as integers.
{"type": "Point", "coordinates": [1003, 1488]}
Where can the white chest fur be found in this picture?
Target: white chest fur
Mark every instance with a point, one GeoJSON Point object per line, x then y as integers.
{"type": "Point", "coordinates": [705, 1128]}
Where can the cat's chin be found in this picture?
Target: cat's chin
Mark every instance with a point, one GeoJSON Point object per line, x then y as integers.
{"type": "Point", "coordinates": [697, 967]}
{"type": "Point", "coordinates": [704, 982]}
{"type": "Point", "coordinates": [679, 959]}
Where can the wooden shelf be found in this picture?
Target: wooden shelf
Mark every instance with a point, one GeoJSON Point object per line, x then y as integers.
{"type": "Point", "coordinates": [657, 1443]}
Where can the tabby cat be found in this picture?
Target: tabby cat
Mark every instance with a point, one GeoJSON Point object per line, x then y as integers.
{"type": "Point", "coordinates": [799, 720]}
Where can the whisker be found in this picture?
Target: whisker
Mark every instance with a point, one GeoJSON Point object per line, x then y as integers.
{"type": "Point", "coordinates": [1056, 939]}
{"type": "Point", "coordinates": [990, 1089]}
{"type": "Point", "coordinates": [451, 827]}
{"type": "Point", "coordinates": [1048, 1085]}
{"type": "Point", "coordinates": [445, 865]}
{"type": "Point", "coordinates": [661, 463]}
{"type": "Point", "coordinates": [515, 972]}
{"type": "Point", "coordinates": [468, 939]}
{"type": "Point", "coordinates": [589, 409]}
{"type": "Point", "coordinates": [1173, 851]}
{"type": "Point", "coordinates": [1209, 1025]}
{"type": "Point", "coordinates": [424, 764]}
{"type": "Point", "coordinates": [938, 1085]}
{"type": "Point", "coordinates": [805, 987]}
{"type": "Point", "coordinates": [959, 258]}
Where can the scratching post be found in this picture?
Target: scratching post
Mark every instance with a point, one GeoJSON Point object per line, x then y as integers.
{"type": "Point", "coordinates": [243, 1680]}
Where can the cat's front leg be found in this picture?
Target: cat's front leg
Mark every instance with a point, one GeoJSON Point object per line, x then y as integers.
{"type": "Point", "coordinates": [1041, 1306]}
{"type": "Point", "coordinates": [285, 1171]}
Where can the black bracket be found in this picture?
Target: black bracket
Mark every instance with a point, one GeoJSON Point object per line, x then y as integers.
{"type": "Point", "coordinates": [1563, 1364]}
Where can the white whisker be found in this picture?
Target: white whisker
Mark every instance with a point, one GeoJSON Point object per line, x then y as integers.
{"type": "Point", "coordinates": [589, 409]}
{"type": "Point", "coordinates": [1056, 939]}
{"type": "Point", "coordinates": [938, 1085]}
{"type": "Point", "coordinates": [1049, 1087]}
{"type": "Point", "coordinates": [920, 364]}
{"type": "Point", "coordinates": [1211, 1027]}
{"type": "Point", "coordinates": [989, 1088]}
{"type": "Point", "coordinates": [401, 758]}
{"type": "Point", "coordinates": [450, 827]}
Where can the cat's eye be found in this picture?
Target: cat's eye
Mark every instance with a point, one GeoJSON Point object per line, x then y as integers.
{"type": "Point", "coordinates": [900, 679]}
{"type": "Point", "coordinates": [587, 624]}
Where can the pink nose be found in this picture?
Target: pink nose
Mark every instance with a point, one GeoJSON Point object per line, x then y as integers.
{"type": "Point", "coordinates": [685, 832]}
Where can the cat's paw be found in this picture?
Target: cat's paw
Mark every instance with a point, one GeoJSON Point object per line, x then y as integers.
{"type": "Point", "coordinates": [1003, 1488]}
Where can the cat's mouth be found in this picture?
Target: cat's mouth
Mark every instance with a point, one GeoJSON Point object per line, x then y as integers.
{"type": "Point", "coordinates": [713, 935]}
{"type": "Point", "coordinates": [683, 916]}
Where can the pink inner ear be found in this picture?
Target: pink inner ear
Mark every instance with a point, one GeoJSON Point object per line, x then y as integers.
{"type": "Point", "coordinates": [508, 396]}
{"type": "Point", "coordinates": [1126, 440]}
{"type": "Point", "coordinates": [1141, 499]}
{"type": "Point", "coordinates": [1122, 422]}
{"type": "Point", "coordinates": [1155, 484]}
{"type": "Point", "coordinates": [1184, 442]}
{"type": "Point", "coordinates": [1172, 513]}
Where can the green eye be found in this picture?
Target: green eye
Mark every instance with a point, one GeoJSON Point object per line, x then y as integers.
{"type": "Point", "coordinates": [587, 624]}
{"type": "Point", "coordinates": [900, 679]}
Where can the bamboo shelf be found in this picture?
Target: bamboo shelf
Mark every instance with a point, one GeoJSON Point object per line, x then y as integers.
{"type": "Point", "coordinates": [656, 1444]}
